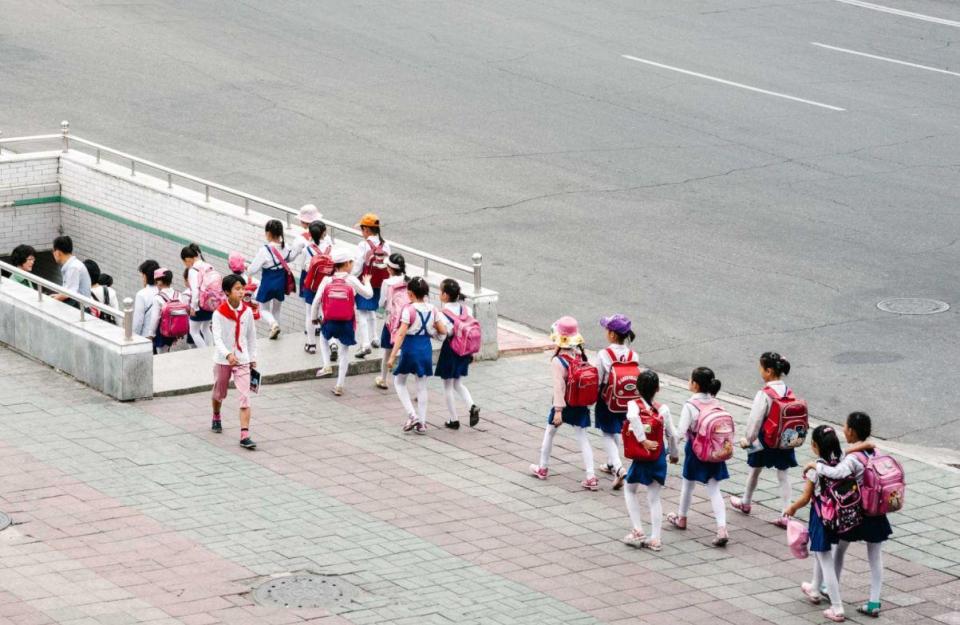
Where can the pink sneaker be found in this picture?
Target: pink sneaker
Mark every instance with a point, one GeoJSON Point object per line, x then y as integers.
{"type": "Point", "coordinates": [409, 424]}
{"type": "Point", "coordinates": [539, 472]}
{"type": "Point", "coordinates": [420, 428]}
{"type": "Point", "coordinates": [812, 594]}
{"type": "Point", "coordinates": [635, 539]}
{"type": "Point", "coordinates": [591, 483]}
{"type": "Point", "coordinates": [722, 538]}
{"type": "Point", "coordinates": [833, 615]}
{"type": "Point", "coordinates": [737, 504]}
{"type": "Point", "coordinates": [679, 522]}
{"type": "Point", "coordinates": [782, 521]}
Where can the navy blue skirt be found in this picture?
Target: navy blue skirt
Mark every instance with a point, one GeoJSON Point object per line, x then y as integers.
{"type": "Point", "coordinates": [416, 357]}
{"type": "Point", "coordinates": [368, 303]}
{"type": "Point", "coordinates": [343, 331]}
{"type": "Point", "coordinates": [780, 459]}
{"type": "Point", "coordinates": [700, 471]}
{"type": "Point", "coordinates": [646, 472]}
{"type": "Point", "coordinates": [160, 341]}
{"type": "Point", "coordinates": [874, 529]}
{"type": "Point", "coordinates": [608, 422]}
{"type": "Point", "coordinates": [820, 537]}
{"type": "Point", "coordinates": [572, 415]}
{"type": "Point", "coordinates": [451, 365]}
{"type": "Point", "coordinates": [273, 285]}
{"type": "Point", "coordinates": [385, 337]}
{"type": "Point", "coordinates": [202, 315]}
{"type": "Point", "coordinates": [306, 294]}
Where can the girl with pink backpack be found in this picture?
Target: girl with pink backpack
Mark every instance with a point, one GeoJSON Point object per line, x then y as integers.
{"type": "Point", "coordinates": [452, 366]}
{"type": "Point", "coordinates": [199, 272]}
{"type": "Point", "coordinates": [393, 299]}
{"type": "Point", "coordinates": [697, 410]}
{"type": "Point", "coordinates": [169, 315]}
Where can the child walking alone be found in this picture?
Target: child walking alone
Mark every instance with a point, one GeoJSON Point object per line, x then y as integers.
{"type": "Point", "coordinates": [393, 299]}
{"type": "Point", "coordinates": [565, 334]}
{"type": "Point", "coordinates": [451, 366]}
{"type": "Point", "coordinates": [235, 339]}
{"type": "Point", "coordinates": [608, 420]}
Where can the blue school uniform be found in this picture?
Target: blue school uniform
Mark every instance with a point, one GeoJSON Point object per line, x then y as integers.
{"type": "Point", "coordinates": [821, 539]}
{"type": "Point", "coordinates": [699, 471]}
{"type": "Point", "coordinates": [386, 337]}
{"type": "Point", "coordinates": [368, 303]}
{"type": "Point", "coordinates": [641, 472]}
{"type": "Point", "coordinates": [606, 420]}
{"type": "Point", "coordinates": [202, 315]}
{"type": "Point", "coordinates": [273, 281]}
{"type": "Point", "coordinates": [305, 294]}
{"type": "Point", "coordinates": [873, 529]}
{"type": "Point", "coordinates": [416, 355]}
{"type": "Point", "coordinates": [768, 458]}
{"type": "Point", "coordinates": [343, 331]}
{"type": "Point", "coordinates": [160, 342]}
{"type": "Point", "coordinates": [450, 364]}
{"type": "Point", "coordinates": [578, 416]}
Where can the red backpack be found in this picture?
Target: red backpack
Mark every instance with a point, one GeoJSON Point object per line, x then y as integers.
{"type": "Point", "coordinates": [321, 266]}
{"type": "Point", "coordinates": [652, 431]}
{"type": "Point", "coordinates": [376, 264]}
{"type": "Point", "coordinates": [337, 301]}
{"type": "Point", "coordinates": [786, 424]}
{"type": "Point", "coordinates": [174, 318]}
{"type": "Point", "coordinates": [583, 382]}
{"type": "Point", "coordinates": [621, 387]}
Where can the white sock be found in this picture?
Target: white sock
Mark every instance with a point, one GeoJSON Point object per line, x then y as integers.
{"type": "Point", "coordinates": [875, 557]}
{"type": "Point", "coordinates": [372, 325]}
{"type": "Point", "coordinates": [400, 383]}
{"type": "Point", "coordinates": [308, 327]}
{"type": "Point", "coordinates": [196, 332]}
{"type": "Point", "coordinates": [266, 315]}
{"type": "Point", "coordinates": [343, 364]}
{"type": "Point", "coordinates": [586, 450]}
{"type": "Point", "coordinates": [753, 476]}
{"type": "Point", "coordinates": [324, 351]}
{"type": "Point", "coordinates": [828, 574]}
{"type": "Point", "coordinates": [206, 328]}
{"type": "Point", "coordinates": [275, 306]}
{"type": "Point", "coordinates": [716, 502]}
{"type": "Point", "coordinates": [422, 395]}
{"type": "Point", "coordinates": [547, 445]}
{"type": "Point", "coordinates": [464, 393]}
{"type": "Point", "coordinates": [448, 395]}
{"type": "Point", "coordinates": [656, 509]}
{"type": "Point", "coordinates": [610, 446]}
{"type": "Point", "coordinates": [631, 496]}
{"type": "Point", "coordinates": [383, 364]}
{"type": "Point", "coordinates": [686, 495]}
{"type": "Point", "coordinates": [785, 491]}
{"type": "Point", "coordinates": [363, 328]}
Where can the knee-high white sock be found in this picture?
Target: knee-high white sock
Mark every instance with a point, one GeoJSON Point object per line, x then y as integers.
{"type": "Point", "coordinates": [308, 327]}
{"type": "Point", "coordinates": [383, 364]}
{"type": "Point", "coordinates": [716, 502]}
{"type": "Point", "coordinates": [461, 388]}
{"type": "Point", "coordinates": [547, 445]}
{"type": "Point", "coordinates": [785, 491]}
{"type": "Point", "coordinates": [875, 557]}
{"type": "Point", "coordinates": [275, 306]}
{"type": "Point", "coordinates": [829, 573]}
{"type": "Point", "coordinates": [343, 364]}
{"type": "Point", "coordinates": [266, 313]}
{"type": "Point", "coordinates": [372, 326]}
{"type": "Point", "coordinates": [817, 580]}
{"type": "Point", "coordinates": [753, 476]}
{"type": "Point", "coordinates": [400, 383]}
{"type": "Point", "coordinates": [422, 395]}
{"type": "Point", "coordinates": [206, 328]}
{"type": "Point", "coordinates": [586, 450]}
{"type": "Point", "coordinates": [448, 394]}
{"type": "Point", "coordinates": [686, 495]}
{"type": "Point", "coordinates": [324, 351]}
{"type": "Point", "coordinates": [839, 552]}
{"type": "Point", "coordinates": [363, 328]}
{"type": "Point", "coordinates": [656, 509]}
{"type": "Point", "coordinates": [609, 442]}
{"type": "Point", "coordinates": [632, 498]}
{"type": "Point", "coordinates": [196, 332]}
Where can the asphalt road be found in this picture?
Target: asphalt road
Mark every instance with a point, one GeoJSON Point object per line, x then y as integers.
{"type": "Point", "coordinates": [725, 221]}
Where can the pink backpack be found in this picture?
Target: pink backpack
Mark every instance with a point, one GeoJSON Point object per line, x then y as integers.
{"type": "Point", "coordinates": [210, 288]}
{"type": "Point", "coordinates": [884, 484]}
{"type": "Point", "coordinates": [798, 538]}
{"type": "Point", "coordinates": [397, 300]}
{"type": "Point", "coordinates": [713, 439]}
{"type": "Point", "coordinates": [465, 337]}
{"type": "Point", "coordinates": [337, 301]}
{"type": "Point", "coordinates": [174, 318]}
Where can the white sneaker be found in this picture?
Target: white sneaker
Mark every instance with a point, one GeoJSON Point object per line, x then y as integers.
{"type": "Point", "coordinates": [325, 372]}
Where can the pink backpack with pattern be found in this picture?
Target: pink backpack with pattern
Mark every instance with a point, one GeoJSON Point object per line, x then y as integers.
{"type": "Point", "coordinates": [210, 289]}
{"type": "Point", "coordinates": [713, 439]}
{"type": "Point", "coordinates": [465, 337]}
{"type": "Point", "coordinates": [884, 485]}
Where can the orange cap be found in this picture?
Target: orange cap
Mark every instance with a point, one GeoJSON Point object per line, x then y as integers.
{"type": "Point", "coordinates": [370, 220]}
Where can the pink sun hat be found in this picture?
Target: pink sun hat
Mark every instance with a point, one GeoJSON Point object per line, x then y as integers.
{"type": "Point", "coordinates": [565, 332]}
{"type": "Point", "coordinates": [309, 214]}
{"type": "Point", "coordinates": [236, 262]}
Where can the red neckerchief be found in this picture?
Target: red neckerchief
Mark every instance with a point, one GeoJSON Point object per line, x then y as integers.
{"type": "Point", "coordinates": [230, 313]}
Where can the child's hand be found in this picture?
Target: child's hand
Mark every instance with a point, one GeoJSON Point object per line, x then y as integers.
{"type": "Point", "coordinates": [232, 359]}
{"type": "Point", "coordinates": [810, 465]}
{"type": "Point", "coordinates": [390, 362]}
{"type": "Point", "coordinates": [744, 443]}
{"type": "Point", "coordinates": [253, 364]}
{"type": "Point", "coordinates": [649, 445]}
{"type": "Point", "coordinates": [674, 459]}
{"type": "Point", "coordinates": [366, 279]}
{"type": "Point", "coordinates": [557, 417]}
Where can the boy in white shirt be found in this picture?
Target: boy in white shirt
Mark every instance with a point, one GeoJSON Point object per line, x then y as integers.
{"type": "Point", "coordinates": [235, 339]}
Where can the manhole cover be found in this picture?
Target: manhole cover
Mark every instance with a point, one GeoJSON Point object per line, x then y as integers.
{"type": "Point", "coordinates": [5, 521]}
{"type": "Point", "coordinates": [913, 306]}
{"type": "Point", "coordinates": [305, 591]}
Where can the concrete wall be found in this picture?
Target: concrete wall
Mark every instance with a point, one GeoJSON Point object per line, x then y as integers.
{"type": "Point", "coordinates": [92, 351]}
{"type": "Point", "coordinates": [25, 179]}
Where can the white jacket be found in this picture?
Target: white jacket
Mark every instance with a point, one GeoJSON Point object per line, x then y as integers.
{"type": "Point", "coordinates": [223, 338]}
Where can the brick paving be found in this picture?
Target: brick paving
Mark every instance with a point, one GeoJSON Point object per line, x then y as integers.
{"type": "Point", "coordinates": [136, 513]}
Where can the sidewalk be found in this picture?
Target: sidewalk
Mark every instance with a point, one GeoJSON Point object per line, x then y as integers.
{"type": "Point", "coordinates": [130, 513]}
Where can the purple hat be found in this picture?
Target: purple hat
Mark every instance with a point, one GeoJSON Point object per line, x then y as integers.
{"type": "Point", "coordinates": [616, 323]}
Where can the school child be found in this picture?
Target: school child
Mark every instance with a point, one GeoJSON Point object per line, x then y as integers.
{"type": "Point", "coordinates": [450, 365]}
{"type": "Point", "coordinates": [704, 385]}
{"type": "Point", "coordinates": [271, 262]}
{"type": "Point", "coordinates": [318, 244]}
{"type": "Point", "coordinates": [143, 300]}
{"type": "Point", "coordinates": [418, 323]}
{"type": "Point", "coordinates": [393, 299]}
{"type": "Point", "coordinates": [874, 530]}
{"type": "Point", "coordinates": [565, 334]}
{"type": "Point", "coordinates": [336, 301]}
{"type": "Point", "coordinates": [163, 279]}
{"type": "Point", "coordinates": [619, 333]}
{"type": "Point", "coordinates": [238, 267]}
{"type": "Point", "coordinates": [235, 339]}
{"type": "Point", "coordinates": [826, 446]}
{"type": "Point", "coordinates": [772, 369]}
{"type": "Point", "coordinates": [99, 292]}
{"type": "Point", "coordinates": [652, 473]}
{"type": "Point", "coordinates": [200, 320]}
{"type": "Point", "coordinates": [372, 254]}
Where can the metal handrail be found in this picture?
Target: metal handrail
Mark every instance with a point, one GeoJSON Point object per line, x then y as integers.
{"type": "Point", "coordinates": [66, 138]}
{"type": "Point", "coordinates": [122, 315]}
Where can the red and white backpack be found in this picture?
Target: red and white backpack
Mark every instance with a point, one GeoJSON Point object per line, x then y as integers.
{"type": "Point", "coordinates": [652, 423]}
{"type": "Point", "coordinates": [583, 381]}
{"type": "Point", "coordinates": [319, 267]}
{"type": "Point", "coordinates": [337, 301]}
{"type": "Point", "coordinates": [376, 264]}
{"type": "Point", "coordinates": [621, 385]}
{"type": "Point", "coordinates": [786, 424]}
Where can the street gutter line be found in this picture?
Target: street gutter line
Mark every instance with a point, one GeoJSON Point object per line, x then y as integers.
{"type": "Point", "coordinates": [733, 84]}
{"type": "Point", "coordinates": [884, 58]}
{"type": "Point", "coordinates": [901, 13]}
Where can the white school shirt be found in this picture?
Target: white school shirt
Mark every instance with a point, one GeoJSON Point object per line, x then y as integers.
{"type": "Point", "coordinates": [849, 465]}
{"type": "Point", "coordinates": [364, 250]}
{"type": "Point", "coordinates": [75, 276]}
{"type": "Point", "coordinates": [416, 325]}
{"type": "Point", "coordinates": [223, 338]}
{"type": "Point", "coordinates": [689, 414]}
{"type": "Point", "coordinates": [266, 259]}
{"type": "Point", "coordinates": [303, 246]}
{"type": "Point", "coordinates": [385, 289]}
{"type": "Point", "coordinates": [153, 319]}
{"type": "Point", "coordinates": [636, 425]}
{"type": "Point", "coordinates": [142, 306]}
{"type": "Point", "coordinates": [101, 294]}
{"type": "Point", "coordinates": [193, 280]}
{"type": "Point", "coordinates": [604, 362]}
{"type": "Point", "coordinates": [359, 288]}
{"type": "Point", "coordinates": [456, 309]}
{"type": "Point", "coordinates": [760, 409]}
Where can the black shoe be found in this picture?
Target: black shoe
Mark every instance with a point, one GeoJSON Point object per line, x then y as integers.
{"type": "Point", "coordinates": [247, 443]}
{"type": "Point", "coordinates": [217, 426]}
{"type": "Point", "coordinates": [474, 416]}
{"type": "Point", "coordinates": [334, 354]}
{"type": "Point", "coordinates": [453, 425]}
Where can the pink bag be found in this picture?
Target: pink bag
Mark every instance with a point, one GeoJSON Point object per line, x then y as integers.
{"type": "Point", "coordinates": [713, 439]}
{"type": "Point", "coordinates": [465, 337]}
{"type": "Point", "coordinates": [884, 484]}
{"type": "Point", "coordinates": [798, 539]}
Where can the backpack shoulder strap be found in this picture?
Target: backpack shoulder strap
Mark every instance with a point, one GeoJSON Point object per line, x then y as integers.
{"type": "Point", "coordinates": [612, 354]}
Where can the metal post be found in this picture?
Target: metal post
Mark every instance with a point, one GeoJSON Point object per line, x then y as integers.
{"type": "Point", "coordinates": [288, 221]}
{"type": "Point", "coordinates": [206, 190]}
{"type": "Point", "coordinates": [39, 292]}
{"type": "Point", "coordinates": [169, 181]}
{"type": "Point", "coordinates": [477, 258]}
{"type": "Point", "coordinates": [65, 132]}
{"type": "Point", "coordinates": [246, 206]}
{"type": "Point", "coordinates": [83, 312]}
{"type": "Point", "coordinates": [133, 167]}
{"type": "Point", "coordinates": [128, 319]}
{"type": "Point", "coordinates": [331, 229]}
{"type": "Point", "coordinates": [426, 267]}
{"type": "Point", "coordinates": [98, 156]}
{"type": "Point", "coordinates": [1, 144]}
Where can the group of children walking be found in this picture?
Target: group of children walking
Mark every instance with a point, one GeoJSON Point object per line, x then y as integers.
{"type": "Point", "coordinates": [850, 491]}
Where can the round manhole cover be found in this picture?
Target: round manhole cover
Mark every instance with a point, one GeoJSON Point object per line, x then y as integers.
{"type": "Point", "coordinates": [913, 306]}
{"type": "Point", "coordinates": [304, 591]}
{"type": "Point", "coordinates": [5, 521]}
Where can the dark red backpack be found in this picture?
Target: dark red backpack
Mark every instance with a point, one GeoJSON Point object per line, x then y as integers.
{"type": "Point", "coordinates": [376, 264]}
{"type": "Point", "coordinates": [621, 387]}
{"type": "Point", "coordinates": [652, 431]}
{"type": "Point", "coordinates": [320, 266]}
{"type": "Point", "coordinates": [583, 382]}
{"type": "Point", "coordinates": [786, 424]}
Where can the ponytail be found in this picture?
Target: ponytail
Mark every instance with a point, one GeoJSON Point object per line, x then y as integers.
{"type": "Point", "coordinates": [191, 250]}
{"type": "Point", "coordinates": [317, 230]}
{"type": "Point", "coordinates": [648, 383]}
{"type": "Point", "coordinates": [452, 288]}
{"type": "Point", "coordinates": [775, 362]}
{"type": "Point", "coordinates": [275, 229]}
{"type": "Point", "coordinates": [705, 380]}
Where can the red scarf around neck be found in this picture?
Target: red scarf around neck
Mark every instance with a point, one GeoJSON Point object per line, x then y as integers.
{"type": "Point", "coordinates": [234, 315]}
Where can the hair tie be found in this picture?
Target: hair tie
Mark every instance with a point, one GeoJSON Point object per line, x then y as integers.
{"type": "Point", "coordinates": [827, 429]}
